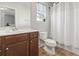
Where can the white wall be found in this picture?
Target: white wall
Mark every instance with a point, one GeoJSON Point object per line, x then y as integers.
{"type": "Point", "coordinates": [39, 25]}
{"type": "Point", "coordinates": [22, 13]}
{"type": "Point", "coordinates": [33, 16]}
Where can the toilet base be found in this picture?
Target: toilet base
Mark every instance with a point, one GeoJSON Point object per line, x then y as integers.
{"type": "Point", "coordinates": [50, 51]}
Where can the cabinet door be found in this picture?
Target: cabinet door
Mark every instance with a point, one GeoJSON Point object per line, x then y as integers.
{"type": "Point", "coordinates": [19, 49]}
{"type": "Point", "coordinates": [0, 46]}
{"type": "Point", "coordinates": [1, 43]}
{"type": "Point", "coordinates": [34, 47]}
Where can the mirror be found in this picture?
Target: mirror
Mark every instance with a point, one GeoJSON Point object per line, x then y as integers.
{"type": "Point", "coordinates": [7, 17]}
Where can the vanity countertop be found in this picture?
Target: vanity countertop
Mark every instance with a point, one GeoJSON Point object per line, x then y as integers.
{"type": "Point", "coordinates": [19, 31]}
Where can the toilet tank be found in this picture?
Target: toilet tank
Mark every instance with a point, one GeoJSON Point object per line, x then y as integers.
{"type": "Point", "coordinates": [43, 35]}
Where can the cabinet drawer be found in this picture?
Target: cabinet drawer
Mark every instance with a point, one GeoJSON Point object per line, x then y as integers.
{"type": "Point", "coordinates": [15, 38]}
{"type": "Point", "coordinates": [34, 35]}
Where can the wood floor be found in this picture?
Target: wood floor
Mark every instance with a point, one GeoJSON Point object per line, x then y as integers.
{"type": "Point", "coordinates": [59, 52]}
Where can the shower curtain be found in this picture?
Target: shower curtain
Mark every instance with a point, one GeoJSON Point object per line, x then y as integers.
{"type": "Point", "coordinates": [65, 23]}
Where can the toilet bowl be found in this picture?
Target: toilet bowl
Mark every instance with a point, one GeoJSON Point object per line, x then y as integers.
{"type": "Point", "coordinates": [49, 44]}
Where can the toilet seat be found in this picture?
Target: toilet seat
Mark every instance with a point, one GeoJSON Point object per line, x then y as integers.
{"type": "Point", "coordinates": [50, 42]}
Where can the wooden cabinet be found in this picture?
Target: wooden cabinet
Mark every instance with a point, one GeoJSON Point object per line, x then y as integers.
{"type": "Point", "coordinates": [19, 45]}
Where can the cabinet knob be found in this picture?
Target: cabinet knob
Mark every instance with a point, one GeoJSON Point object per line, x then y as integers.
{"type": "Point", "coordinates": [7, 48]}
{"type": "Point", "coordinates": [31, 41]}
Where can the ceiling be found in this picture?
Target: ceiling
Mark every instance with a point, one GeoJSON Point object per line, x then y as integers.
{"type": "Point", "coordinates": [26, 4]}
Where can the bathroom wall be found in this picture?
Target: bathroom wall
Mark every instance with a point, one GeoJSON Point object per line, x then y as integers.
{"type": "Point", "coordinates": [22, 12]}
{"type": "Point", "coordinates": [39, 25]}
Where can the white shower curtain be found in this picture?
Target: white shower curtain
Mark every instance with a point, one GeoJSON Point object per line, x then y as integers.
{"type": "Point", "coordinates": [65, 23]}
{"type": "Point", "coordinates": [57, 23]}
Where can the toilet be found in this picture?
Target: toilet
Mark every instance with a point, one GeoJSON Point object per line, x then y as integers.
{"type": "Point", "coordinates": [48, 44]}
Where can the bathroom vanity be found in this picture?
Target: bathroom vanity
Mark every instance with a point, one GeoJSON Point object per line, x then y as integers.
{"type": "Point", "coordinates": [19, 43]}
{"type": "Point", "coordinates": [15, 42]}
